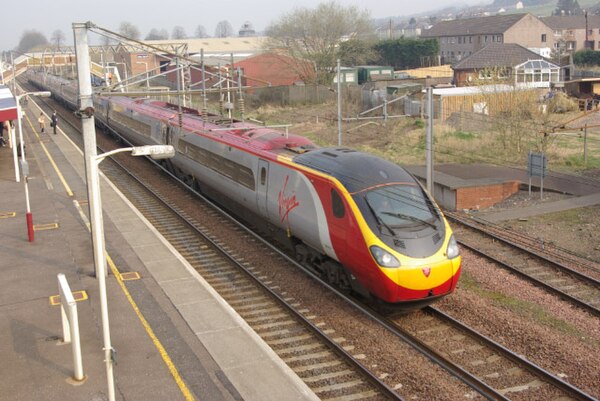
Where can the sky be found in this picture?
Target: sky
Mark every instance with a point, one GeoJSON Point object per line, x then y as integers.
{"type": "Point", "coordinates": [60, 14]}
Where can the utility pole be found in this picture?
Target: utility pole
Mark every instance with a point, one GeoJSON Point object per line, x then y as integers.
{"type": "Point", "coordinates": [86, 112]}
{"type": "Point", "coordinates": [339, 102]}
{"type": "Point", "coordinates": [429, 142]}
{"type": "Point", "coordinates": [585, 146]}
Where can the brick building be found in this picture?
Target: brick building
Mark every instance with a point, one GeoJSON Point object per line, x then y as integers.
{"type": "Point", "coordinates": [575, 32]}
{"type": "Point", "coordinates": [461, 38]}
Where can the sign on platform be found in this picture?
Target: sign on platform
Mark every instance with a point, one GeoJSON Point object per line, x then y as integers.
{"type": "Point", "coordinates": [537, 164]}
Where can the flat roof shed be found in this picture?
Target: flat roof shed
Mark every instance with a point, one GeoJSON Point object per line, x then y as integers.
{"type": "Point", "coordinates": [8, 104]}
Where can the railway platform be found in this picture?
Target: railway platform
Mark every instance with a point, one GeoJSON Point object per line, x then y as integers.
{"type": "Point", "coordinates": [175, 338]}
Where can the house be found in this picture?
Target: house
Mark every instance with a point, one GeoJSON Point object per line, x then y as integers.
{"type": "Point", "coordinates": [575, 32]}
{"type": "Point", "coordinates": [272, 69]}
{"type": "Point", "coordinates": [508, 63]}
{"type": "Point", "coordinates": [463, 37]}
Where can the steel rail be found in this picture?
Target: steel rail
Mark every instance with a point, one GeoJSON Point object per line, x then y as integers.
{"type": "Point", "coordinates": [532, 367]}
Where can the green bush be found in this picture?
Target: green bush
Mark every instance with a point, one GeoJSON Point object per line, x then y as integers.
{"type": "Point", "coordinates": [419, 123]}
{"type": "Point", "coordinates": [464, 135]}
{"type": "Point", "coordinates": [577, 162]}
{"type": "Point", "coordinates": [586, 57]}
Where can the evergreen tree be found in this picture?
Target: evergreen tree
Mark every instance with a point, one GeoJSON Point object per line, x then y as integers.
{"type": "Point", "coordinates": [567, 7]}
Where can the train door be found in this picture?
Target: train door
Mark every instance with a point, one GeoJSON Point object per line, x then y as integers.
{"type": "Point", "coordinates": [167, 134]}
{"type": "Point", "coordinates": [262, 187]}
{"type": "Point", "coordinates": [339, 221]}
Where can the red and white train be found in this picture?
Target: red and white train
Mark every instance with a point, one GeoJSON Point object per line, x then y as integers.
{"type": "Point", "coordinates": [362, 222]}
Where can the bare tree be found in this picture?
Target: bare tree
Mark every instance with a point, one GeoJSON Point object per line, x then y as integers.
{"type": "Point", "coordinates": [223, 30]}
{"type": "Point", "coordinates": [107, 40]}
{"type": "Point", "coordinates": [155, 34]}
{"type": "Point", "coordinates": [129, 30]}
{"type": "Point", "coordinates": [178, 33]}
{"type": "Point", "coordinates": [200, 32]}
{"type": "Point", "coordinates": [314, 35]}
{"type": "Point", "coordinates": [57, 38]}
{"type": "Point", "coordinates": [30, 40]}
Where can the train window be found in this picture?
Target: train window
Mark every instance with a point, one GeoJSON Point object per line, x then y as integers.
{"type": "Point", "coordinates": [337, 204]}
{"type": "Point", "coordinates": [226, 167]}
{"type": "Point", "coordinates": [263, 176]}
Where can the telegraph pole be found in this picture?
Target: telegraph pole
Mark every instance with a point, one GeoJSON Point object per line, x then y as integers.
{"type": "Point", "coordinates": [429, 142]}
{"type": "Point", "coordinates": [339, 102]}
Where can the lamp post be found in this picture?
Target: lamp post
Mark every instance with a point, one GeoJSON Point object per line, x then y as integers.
{"type": "Point", "coordinates": [24, 165]}
{"type": "Point", "coordinates": [155, 152]}
{"type": "Point", "coordinates": [147, 76]}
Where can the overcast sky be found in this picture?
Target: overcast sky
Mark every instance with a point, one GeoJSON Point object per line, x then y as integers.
{"type": "Point", "coordinates": [48, 16]}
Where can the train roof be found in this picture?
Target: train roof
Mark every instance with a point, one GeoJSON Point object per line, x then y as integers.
{"type": "Point", "coordinates": [240, 134]}
{"type": "Point", "coordinates": [356, 170]}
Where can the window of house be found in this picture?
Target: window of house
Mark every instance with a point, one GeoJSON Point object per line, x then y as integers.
{"type": "Point", "coordinates": [485, 74]}
{"type": "Point", "coordinates": [486, 39]}
{"type": "Point", "coordinates": [557, 32]}
{"type": "Point", "coordinates": [470, 39]}
{"type": "Point", "coordinates": [543, 38]}
{"type": "Point", "coordinates": [499, 38]}
{"type": "Point", "coordinates": [590, 31]}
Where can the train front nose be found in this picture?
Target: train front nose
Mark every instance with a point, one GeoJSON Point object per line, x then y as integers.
{"type": "Point", "coordinates": [424, 280]}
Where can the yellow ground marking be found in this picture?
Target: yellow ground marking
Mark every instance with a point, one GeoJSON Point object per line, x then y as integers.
{"type": "Point", "coordinates": [43, 227]}
{"type": "Point", "coordinates": [78, 295]}
{"type": "Point", "coordinates": [128, 276]}
{"type": "Point", "coordinates": [6, 215]}
{"type": "Point", "coordinates": [161, 349]}
{"type": "Point", "coordinates": [60, 176]}
{"type": "Point", "coordinates": [163, 353]}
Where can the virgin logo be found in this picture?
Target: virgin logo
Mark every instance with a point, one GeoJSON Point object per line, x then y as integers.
{"type": "Point", "coordinates": [286, 203]}
{"type": "Point", "coordinates": [426, 271]}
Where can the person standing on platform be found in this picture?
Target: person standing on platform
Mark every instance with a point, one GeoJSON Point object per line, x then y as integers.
{"type": "Point", "coordinates": [42, 122]}
{"type": "Point", "coordinates": [3, 128]}
{"type": "Point", "coordinates": [54, 122]}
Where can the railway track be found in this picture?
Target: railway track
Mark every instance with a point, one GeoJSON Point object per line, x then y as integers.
{"type": "Point", "coordinates": [495, 371]}
{"type": "Point", "coordinates": [296, 337]}
{"type": "Point", "coordinates": [554, 271]}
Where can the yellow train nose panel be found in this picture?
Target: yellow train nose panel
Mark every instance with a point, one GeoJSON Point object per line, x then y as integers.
{"type": "Point", "coordinates": [424, 276]}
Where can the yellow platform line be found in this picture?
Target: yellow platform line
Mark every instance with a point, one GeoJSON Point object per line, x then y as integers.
{"type": "Point", "coordinates": [163, 353]}
{"type": "Point", "coordinates": [60, 176]}
{"type": "Point", "coordinates": [6, 215]}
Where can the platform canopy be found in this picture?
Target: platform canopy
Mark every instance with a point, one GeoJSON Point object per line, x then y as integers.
{"type": "Point", "coordinates": [8, 104]}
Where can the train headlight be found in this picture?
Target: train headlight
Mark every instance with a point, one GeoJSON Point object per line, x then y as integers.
{"type": "Point", "coordinates": [383, 257]}
{"type": "Point", "coordinates": [452, 250]}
